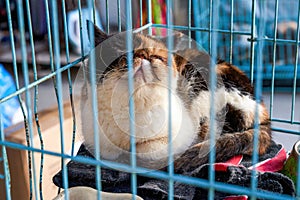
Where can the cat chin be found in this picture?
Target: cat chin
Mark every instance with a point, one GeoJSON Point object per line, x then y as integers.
{"type": "Point", "coordinates": [151, 133]}
{"type": "Point", "coordinates": [150, 152]}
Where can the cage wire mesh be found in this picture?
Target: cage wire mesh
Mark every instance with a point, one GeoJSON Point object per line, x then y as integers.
{"type": "Point", "coordinates": [260, 37]}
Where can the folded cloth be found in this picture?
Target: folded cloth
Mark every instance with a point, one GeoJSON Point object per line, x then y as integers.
{"type": "Point", "coordinates": [237, 171]}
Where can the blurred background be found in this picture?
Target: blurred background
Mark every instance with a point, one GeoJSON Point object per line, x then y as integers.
{"type": "Point", "coordinates": [280, 54]}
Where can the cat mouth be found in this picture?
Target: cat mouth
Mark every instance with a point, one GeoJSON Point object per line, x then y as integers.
{"type": "Point", "coordinates": [140, 72]}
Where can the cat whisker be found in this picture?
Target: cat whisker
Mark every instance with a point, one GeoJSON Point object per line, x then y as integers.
{"type": "Point", "coordinates": [155, 75]}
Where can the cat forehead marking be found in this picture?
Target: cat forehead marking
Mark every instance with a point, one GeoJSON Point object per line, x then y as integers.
{"type": "Point", "coordinates": [142, 41]}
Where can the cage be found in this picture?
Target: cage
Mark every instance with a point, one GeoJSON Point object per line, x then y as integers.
{"type": "Point", "coordinates": [240, 23]}
{"type": "Point", "coordinates": [47, 42]}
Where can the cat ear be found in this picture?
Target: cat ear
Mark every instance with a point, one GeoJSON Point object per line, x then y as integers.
{"type": "Point", "coordinates": [184, 58]}
{"type": "Point", "coordinates": [99, 35]}
{"type": "Point", "coordinates": [180, 41]}
{"type": "Point", "coordinates": [180, 62]}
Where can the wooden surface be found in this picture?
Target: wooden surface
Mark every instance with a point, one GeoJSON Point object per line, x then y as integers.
{"type": "Point", "coordinates": [18, 163]}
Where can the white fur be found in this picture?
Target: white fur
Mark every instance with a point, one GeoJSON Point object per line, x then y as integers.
{"type": "Point", "coordinates": [151, 118]}
{"type": "Point", "coordinates": [244, 103]}
{"type": "Point", "coordinates": [200, 107]}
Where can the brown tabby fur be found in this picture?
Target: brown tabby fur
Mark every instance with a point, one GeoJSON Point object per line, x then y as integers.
{"type": "Point", "coordinates": [189, 65]}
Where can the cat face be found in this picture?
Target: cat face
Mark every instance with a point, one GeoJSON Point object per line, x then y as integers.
{"type": "Point", "coordinates": [149, 63]}
{"type": "Point", "coordinates": [150, 76]}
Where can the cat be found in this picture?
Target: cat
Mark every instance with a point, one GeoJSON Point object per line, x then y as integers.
{"type": "Point", "coordinates": [190, 104]}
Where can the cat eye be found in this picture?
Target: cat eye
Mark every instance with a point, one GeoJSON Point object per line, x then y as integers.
{"type": "Point", "coordinates": [140, 55]}
{"type": "Point", "coordinates": [159, 58]}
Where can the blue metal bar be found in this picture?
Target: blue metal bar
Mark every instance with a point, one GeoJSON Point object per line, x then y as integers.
{"type": "Point", "coordinates": [252, 40]}
{"type": "Point", "coordinates": [190, 21]}
{"type": "Point", "coordinates": [234, 189]}
{"type": "Point", "coordinates": [49, 35]}
{"type": "Point", "coordinates": [141, 13]}
{"type": "Point", "coordinates": [16, 76]}
{"type": "Point", "coordinates": [59, 91]}
{"type": "Point", "coordinates": [258, 93]}
{"type": "Point", "coordinates": [231, 30]}
{"type": "Point", "coordinates": [66, 31]}
{"type": "Point", "coordinates": [5, 162]}
{"type": "Point", "coordinates": [43, 79]}
{"type": "Point", "coordinates": [92, 67]}
{"type": "Point", "coordinates": [274, 59]}
{"type": "Point", "coordinates": [35, 106]}
{"type": "Point", "coordinates": [296, 66]}
{"type": "Point", "coordinates": [211, 184]}
{"type": "Point", "coordinates": [107, 16]}
{"type": "Point", "coordinates": [142, 28]}
{"type": "Point", "coordinates": [149, 12]}
{"type": "Point", "coordinates": [285, 131]}
{"type": "Point", "coordinates": [210, 27]}
{"type": "Point", "coordinates": [196, 9]}
{"type": "Point", "coordinates": [298, 179]}
{"type": "Point", "coordinates": [149, 15]}
{"type": "Point", "coordinates": [129, 47]}
{"type": "Point", "coordinates": [29, 138]}
{"type": "Point", "coordinates": [178, 27]}
{"type": "Point", "coordinates": [282, 41]}
{"type": "Point", "coordinates": [170, 75]}
{"type": "Point", "coordinates": [80, 28]}
{"type": "Point", "coordinates": [54, 72]}
{"type": "Point", "coordinates": [14, 58]}
{"type": "Point", "coordinates": [285, 121]}
{"type": "Point", "coordinates": [93, 16]}
{"type": "Point", "coordinates": [50, 46]}
{"type": "Point", "coordinates": [213, 9]}
{"type": "Point", "coordinates": [119, 16]}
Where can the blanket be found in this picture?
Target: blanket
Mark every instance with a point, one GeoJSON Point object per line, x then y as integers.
{"type": "Point", "coordinates": [235, 171]}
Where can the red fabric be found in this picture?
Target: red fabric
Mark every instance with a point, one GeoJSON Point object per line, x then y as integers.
{"type": "Point", "coordinates": [273, 164]}
{"type": "Point", "coordinates": [242, 197]}
{"type": "Point", "coordinates": [234, 161]}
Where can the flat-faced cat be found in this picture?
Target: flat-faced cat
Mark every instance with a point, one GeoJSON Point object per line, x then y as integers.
{"type": "Point", "coordinates": [190, 104]}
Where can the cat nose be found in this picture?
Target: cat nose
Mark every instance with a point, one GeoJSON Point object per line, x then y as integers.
{"type": "Point", "coordinates": [137, 63]}
{"type": "Point", "coordinates": [145, 63]}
